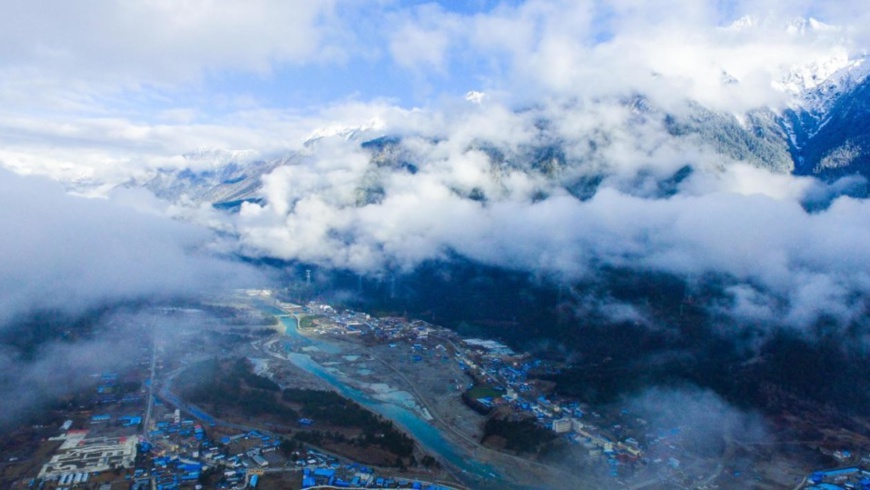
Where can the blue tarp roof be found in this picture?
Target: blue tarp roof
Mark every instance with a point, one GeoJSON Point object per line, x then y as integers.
{"type": "Point", "coordinates": [828, 486]}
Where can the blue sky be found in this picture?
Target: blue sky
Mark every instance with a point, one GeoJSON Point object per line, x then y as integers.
{"type": "Point", "coordinates": [368, 70]}
{"type": "Point", "coordinates": [363, 76]}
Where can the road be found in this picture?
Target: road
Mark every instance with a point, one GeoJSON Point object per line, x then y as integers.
{"type": "Point", "coordinates": [508, 460]}
{"type": "Point", "coordinates": [167, 394]}
{"type": "Point", "coordinates": [147, 421]}
{"type": "Point", "coordinates": [474, 443]}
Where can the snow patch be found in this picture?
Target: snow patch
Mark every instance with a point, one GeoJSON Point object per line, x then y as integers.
{"type": "Point", "coordinates": [219, 157]}
{"type": "Point", "coordinates": [345, 132]}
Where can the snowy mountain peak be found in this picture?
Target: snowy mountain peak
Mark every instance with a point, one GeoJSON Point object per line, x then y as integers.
{"type": "Point", "coordinates": [743, 23]}
{"type": "Point", "coordinates": [345, 132]}
{"type": "Point", "coordinates": [801, 26]}
{"type": "Point", "coordinates": [815, 85]}
{"type": "Point", "coordinates": [798, 26]}
{"type": "Point", "coordinates": [218, 157]}
{"type": "Point", "coordinates": [727, 79]}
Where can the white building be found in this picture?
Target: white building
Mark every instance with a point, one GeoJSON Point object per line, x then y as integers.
{"type": "Point", "coordinates": [562, 426]}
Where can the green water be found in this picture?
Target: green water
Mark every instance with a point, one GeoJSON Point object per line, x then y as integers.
{"type": "Point", "coordinates": [428, 435]}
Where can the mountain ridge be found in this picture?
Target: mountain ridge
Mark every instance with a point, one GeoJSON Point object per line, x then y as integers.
{"type": "Point", "coordinates": [822, 132]}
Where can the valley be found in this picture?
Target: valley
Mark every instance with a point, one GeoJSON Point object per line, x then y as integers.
{"type": "Point", "coordinates": [298, 394]}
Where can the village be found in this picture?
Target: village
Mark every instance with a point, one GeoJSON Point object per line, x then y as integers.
{"type": "Point", "coordinates": [495, 376]}
{"type": "Point", "coordinates": [445, 375]}
{"type": "Point", "coordinates": [137, 432]}
{"type": "Point", "coordinates": [131, 431]}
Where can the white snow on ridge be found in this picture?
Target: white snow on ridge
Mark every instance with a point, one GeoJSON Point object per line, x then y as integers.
{"type": "Point", "coordinates": [798, 26]}
{"type": "Point", "coordinates": [344, 131]}
{"type": "Point", "coordinates": [814, 87]}
{"type": "Point", "coordinates": [829, 70]}
{"type": "Point", "coordinates": [799, 79]}
{"type": "Point", "coordinates": [219, 157]}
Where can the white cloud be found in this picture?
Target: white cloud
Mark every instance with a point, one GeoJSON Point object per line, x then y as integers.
{"type": "Point", "coordinates": [158, 41]}
{"type": "Point", "coordinates": [92, 90]}
{"type": "Point", "coordinates": [71, 254]}
{"type": "Point", "coordinates": [422, 40]}
{"type": "Point", "coordinates": [726, 218]}
{"type": "Point", "coordinates": [569, 65]}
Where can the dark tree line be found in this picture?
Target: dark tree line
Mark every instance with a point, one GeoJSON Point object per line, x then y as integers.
{"type": "Point", "coordinates": [522, 436]}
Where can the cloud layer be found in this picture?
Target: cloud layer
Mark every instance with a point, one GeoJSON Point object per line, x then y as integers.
{"type": "Point", "coordinates": [474, 184]}
{"type": "Point", "coordinates": [561, 168]}
{"type": "Point", "coordinates": [70, 254]}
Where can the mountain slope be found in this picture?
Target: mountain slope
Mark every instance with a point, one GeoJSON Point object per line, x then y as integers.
{"type": "Point", "coordinates": [829, 121]}
{"type": "Point", "coordinates": [838, 143]}
{"type": "Point", "coordinates": [225, 183]}
{"type": "Point", "coordinates": [825, 132]}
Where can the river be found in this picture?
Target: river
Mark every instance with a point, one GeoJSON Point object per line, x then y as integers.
{"type": "Point", "coordinates": [424, 432]}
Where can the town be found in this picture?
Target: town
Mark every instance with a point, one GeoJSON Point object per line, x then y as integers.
{"type": "Point", "coordinates": [480, 414]}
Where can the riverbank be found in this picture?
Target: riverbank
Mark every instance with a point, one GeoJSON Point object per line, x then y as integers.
{"type": "Point", "coordinates": [420, 391]}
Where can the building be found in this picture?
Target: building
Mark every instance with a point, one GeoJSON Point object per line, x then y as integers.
{"type": "Point", "coordinates": [561, 426]}
{"type": "Point", "coordinates": [843, 454]}
{"type": "Point", "coordinates": [491, 346]}
{"type": "Point", "coordinates": [80, 455]}
{"type": "Point", "coordinates": [259, 460]}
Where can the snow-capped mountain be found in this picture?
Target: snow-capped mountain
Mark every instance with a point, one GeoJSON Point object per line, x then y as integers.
{"type": "Point", "coordinates": [824, 130]}
{"type": "Point", "coordinates": [222, 178]}
{"type": "Point", "coordinates": [814, 86]}
{"type": "Point", "coordinates": [828, 117]}
{"type": "Point", "coordinates": [218, 157]}
{"type": "Point", "coordinates": [346, 132]}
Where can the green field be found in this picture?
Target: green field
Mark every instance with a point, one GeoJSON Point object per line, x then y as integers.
{"type": "Point", "coordinates": [307, 321]}
{"type": "Point", "coordinates": [484, 391]}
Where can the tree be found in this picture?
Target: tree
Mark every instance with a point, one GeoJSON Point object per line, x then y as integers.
{"type": "Point", "coordinates": [287, 447]}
